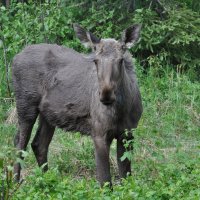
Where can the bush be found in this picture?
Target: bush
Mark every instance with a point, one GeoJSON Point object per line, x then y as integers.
{"type": "Point", "coordinates": [174, 41]}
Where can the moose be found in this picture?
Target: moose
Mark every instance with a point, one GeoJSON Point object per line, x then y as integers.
{"type": "Point", "coordinates": [96, 94]}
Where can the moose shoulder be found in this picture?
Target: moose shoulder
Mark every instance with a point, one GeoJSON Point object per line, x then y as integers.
{"type": "Point", "coordinates": [96, 94]}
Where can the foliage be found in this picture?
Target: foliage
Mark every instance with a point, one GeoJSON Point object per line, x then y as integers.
{"type": "Point", "coordinates": [173, 41]}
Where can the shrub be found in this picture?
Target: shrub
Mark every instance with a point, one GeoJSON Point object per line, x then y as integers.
{"type": "Point", "coordinates": [174, 41]}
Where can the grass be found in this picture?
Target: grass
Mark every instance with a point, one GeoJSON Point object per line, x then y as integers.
{"type": "Point", "coordinates": [165, 159]}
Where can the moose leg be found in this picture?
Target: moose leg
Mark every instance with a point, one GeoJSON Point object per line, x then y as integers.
{"type": "Point", "coordinates": [102, 148]}
{"type": "Point", "coordinates": [41, 142]}
{"type": "Point", "coordinates": [16, 139]}
{"type": "Point", "coordinates": [125, 165]}
{"type": "Point", "coordinates": [21, 141]}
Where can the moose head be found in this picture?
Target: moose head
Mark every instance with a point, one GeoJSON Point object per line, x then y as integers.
{"type": "Point", "coordinates": [109, 58]}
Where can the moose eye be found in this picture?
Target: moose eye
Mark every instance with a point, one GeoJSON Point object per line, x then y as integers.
{"type": "Point", "coordinates": [123, 47]}
{"type": "Point", "coordinates": [120, 62]}
{"type": "Point", "coordinates": [96, 61]}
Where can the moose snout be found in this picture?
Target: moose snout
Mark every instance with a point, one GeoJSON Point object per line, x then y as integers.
{"type": "Point", "coordinates": [107, 96]}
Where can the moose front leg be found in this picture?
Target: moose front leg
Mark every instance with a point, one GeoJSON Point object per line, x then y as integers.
{"type": "Point", "coordinates": [102, 148]}
{"type": "Point", "coordinates": [125, 165]}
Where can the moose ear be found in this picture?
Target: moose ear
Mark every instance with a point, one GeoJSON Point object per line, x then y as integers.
{"type": "Point", "coordinates": [88, 39]}
{"type": "Point", "coordinates": [131, 35]}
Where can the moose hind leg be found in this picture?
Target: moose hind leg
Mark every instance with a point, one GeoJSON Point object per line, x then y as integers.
{"type": "Point", "coordinates": [16, 138]}
{"type": "Point", "coordinates": [41, 142]}
{"type": "Point", "coordinates": [21, 140]}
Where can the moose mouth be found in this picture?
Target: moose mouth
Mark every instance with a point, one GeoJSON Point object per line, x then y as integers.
{"type": "Point", "coordinates": [107, 103]}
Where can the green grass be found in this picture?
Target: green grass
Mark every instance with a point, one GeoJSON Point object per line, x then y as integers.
{"type": "Point", "coordinates": [165, 159]}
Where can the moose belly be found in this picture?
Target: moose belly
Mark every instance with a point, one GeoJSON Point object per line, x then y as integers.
{"type": "Point", "coordinates": [68, 116]}
{"type": "Point", "coordinates": [66, 106]}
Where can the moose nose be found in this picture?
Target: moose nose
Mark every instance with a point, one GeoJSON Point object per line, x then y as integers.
{"type": "Point", "coordinates": [107, 97]}
{"type": "Point", "coordinates": [107, 102]}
